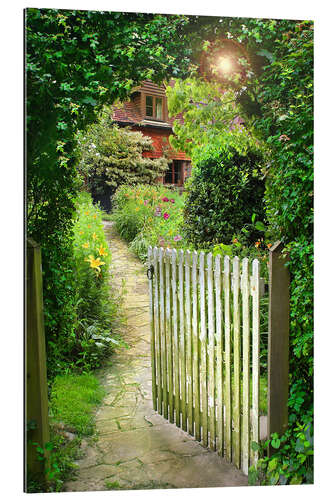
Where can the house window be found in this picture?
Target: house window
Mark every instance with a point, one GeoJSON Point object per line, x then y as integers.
{"type": "Point", "coordinates": [154, 107]}
{"type": "Point", "coordinates": [174, 174]}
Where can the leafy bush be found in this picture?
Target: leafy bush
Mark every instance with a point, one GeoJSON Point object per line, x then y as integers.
{"type": "Point", "coordinates": [223, 193]}
{"type": "Point", "coordinates": [111, 156]}
{"type": "Point", "coordinates": [292, 460]}
{"type": "Point", "coordinates": [148, 215]}
{"type": "Point", "coordinates": [93, 307]}
{"type": "Point", "coordinates": [96, 307]}
{"type": "Point", "coordinates": [59, 298]}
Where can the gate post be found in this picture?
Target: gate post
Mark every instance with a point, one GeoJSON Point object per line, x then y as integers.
{"type": "Point", "coordinates": [278, 341]}
{"type": "Point", "coordinates": [36, 399]}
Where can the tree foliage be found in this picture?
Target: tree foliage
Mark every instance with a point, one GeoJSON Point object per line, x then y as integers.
{"type": "Point", "coordinates": [209, 113]}
{"type": "Point", "coordinates": [111, 156]}
{"type": "Point", "coordinates": [282, 87]}
{"type": "Point", "coordinates": [75, 62]}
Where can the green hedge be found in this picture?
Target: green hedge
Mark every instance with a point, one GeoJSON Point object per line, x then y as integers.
{"type": "Point", "coordinates": [223, 193]}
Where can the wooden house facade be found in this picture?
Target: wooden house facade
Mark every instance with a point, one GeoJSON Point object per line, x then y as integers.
{"type": "Point", "coordinates": [147, 112]}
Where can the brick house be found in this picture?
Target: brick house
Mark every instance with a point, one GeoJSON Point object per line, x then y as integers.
{"type": "Point", "coordinates": [147, 112]}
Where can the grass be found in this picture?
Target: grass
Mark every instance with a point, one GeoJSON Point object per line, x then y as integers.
{"type": "Point", "coordinates": [73, 400]}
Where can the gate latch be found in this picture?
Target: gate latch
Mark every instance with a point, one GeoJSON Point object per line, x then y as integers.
{"type": "Point", "coordinates": [150, 272]}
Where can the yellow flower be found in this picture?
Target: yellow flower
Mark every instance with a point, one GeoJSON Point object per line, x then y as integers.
{"type": "Point", "coordinates": [94, 216]}
{"type": "Point", "coordinates": [94, 236]}
{"type": "Point", "coordinates": [86, 213]}
{"type": "Point", "coordinates": [81, 232]}
{"type": "Point", "coordinates": [95, 263]}
{"type": "Point", "coordinates": [137, 208]}
{"type": "Point", "coordinates": [102, 250]}
{"type": "Point", "coordinates": [89, 226]}
{"type": "Point", "coordinates": [85, 245]}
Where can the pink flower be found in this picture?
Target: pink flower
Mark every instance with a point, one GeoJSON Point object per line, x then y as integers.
{"type": "Point", "coordinates": [284, 138]}
{"type": "Point", "coordinates": [172, 200]}
{"type": "Point", "coordinates": [165, 199]}
{"type": "Point", "coordinates": [145, 202]}
{"type": "Point", "coordinates": [166, 215]}
{"type": "Point", "coordinates": [157, 212]}
{"type": "Point", "coordinates": [177, 238]}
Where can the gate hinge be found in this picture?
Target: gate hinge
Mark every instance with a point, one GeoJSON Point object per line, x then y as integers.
{"type": "Point", "coordinates": [150, 272]}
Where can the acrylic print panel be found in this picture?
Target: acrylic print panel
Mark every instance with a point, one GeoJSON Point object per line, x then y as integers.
{"type": "Point", "coordinates": [173, 383]}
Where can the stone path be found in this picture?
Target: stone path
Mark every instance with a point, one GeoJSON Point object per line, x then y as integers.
{"type": "Point", "coordinates": [135, 447]}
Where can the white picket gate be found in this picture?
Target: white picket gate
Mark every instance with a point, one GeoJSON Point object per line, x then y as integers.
{"type": "Point", "coordinates": [205, 342]}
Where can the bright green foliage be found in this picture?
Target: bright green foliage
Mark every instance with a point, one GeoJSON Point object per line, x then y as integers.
{"type": "Point", "coordinates": [292, 461]}
{"type": "Point", "coordinates": [111, 156]}
{"type": "Point", "coordinates": [76, 61]}
{"type": "Point", "coordinates": [223, 193]}
{"type": "Point", "coordinates": [287, 122]}
{"type": "Point", "coordinates": [96, 305]}
{"type": "Point", "coordinates": [275, 96]}
{"type": "Point", "coordinates": [148, 215]}
{"type": "Point", "coordinates": [283, 90]}
{"type": "Point", "coordinates": [210, 113]}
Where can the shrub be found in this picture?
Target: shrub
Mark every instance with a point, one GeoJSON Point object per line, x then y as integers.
{"type": "Point", "coordinates": [111, 156]}
{"type": "Point", "coordinates": [223, 193]}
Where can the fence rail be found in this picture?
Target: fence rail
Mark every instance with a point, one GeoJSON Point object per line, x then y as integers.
{"type": "Point", "coordinates": [205, 344]}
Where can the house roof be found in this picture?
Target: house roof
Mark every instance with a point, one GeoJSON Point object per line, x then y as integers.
{"type": "Point", "coordinates": [128, 112]}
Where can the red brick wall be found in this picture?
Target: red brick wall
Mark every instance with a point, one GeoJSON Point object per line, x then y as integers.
{"type": "Point", "coordinates": [160, 140]}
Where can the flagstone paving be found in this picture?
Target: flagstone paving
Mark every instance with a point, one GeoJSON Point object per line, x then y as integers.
{"type": "Point", "coordinates": [135, 447]}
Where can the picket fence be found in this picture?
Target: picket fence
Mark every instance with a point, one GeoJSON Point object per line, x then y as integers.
{"type": "Point", "coordinates": [205, 340]}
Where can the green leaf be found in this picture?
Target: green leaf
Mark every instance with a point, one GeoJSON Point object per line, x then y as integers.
{"type": "Point", "coordinates": [276, 443]}
{"type": "Point", "coordinates": [272, 464]}
{"type": "Point", "coordinates": [260, 226]}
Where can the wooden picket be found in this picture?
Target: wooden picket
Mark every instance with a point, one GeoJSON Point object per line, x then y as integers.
{"type": "Point", "coordinates": [205, 334]}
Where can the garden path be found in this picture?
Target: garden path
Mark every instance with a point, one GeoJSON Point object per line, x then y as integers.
{"type": "Point", "coordinates": [136, 448]}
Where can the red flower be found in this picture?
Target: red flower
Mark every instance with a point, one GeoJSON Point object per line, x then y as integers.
{"type": "Point", "coordinates": [166, 215]}
{"type": "Point", "coordinates": [165, 199]}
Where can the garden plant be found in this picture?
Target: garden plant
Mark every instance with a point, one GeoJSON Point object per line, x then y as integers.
{"type": "Point", "coordinates": [249, 132]}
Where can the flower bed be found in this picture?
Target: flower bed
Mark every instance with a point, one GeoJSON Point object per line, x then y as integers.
{"type": "Point", "coordinates": [148, 215]}
{"type": "Point", "coordinates": [96, 306]}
